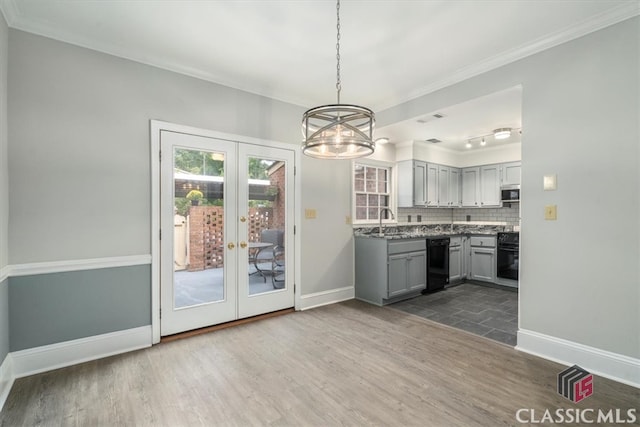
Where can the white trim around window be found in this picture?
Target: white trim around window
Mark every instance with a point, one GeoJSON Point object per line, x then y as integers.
{"type": "Point", "coordinates": [391, 190]}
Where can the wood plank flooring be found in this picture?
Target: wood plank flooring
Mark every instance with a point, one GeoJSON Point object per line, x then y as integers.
{"type": "Point", "coordinates": [344, 364]}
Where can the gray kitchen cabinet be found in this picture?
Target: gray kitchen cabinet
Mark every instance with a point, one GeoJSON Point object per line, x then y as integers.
{"type": "Point", "coordinates": [448, 186]}
{"type": "Point", "coordinates": [389, 270]}
{"type": "Point", "coordinates": [483, 258]}
{"type": "Point", "coordinates": [511, 173]}
{"type": "Point", "coordinates": [456, 259]}
{"type": "Point", "coordinates": [481, 186]}
{"type": "Point", "coordinates": [471, 187]}
{"type": "Point", "coordinates": [412, 182]}
{"type": "Point", "coordinates": [432, 185]}
{"type": "Point", "coordinates": [490, 186]}
{"type": "Point", "coordinates": [455, 194]}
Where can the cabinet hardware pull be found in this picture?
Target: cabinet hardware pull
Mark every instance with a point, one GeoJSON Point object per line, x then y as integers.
{"type": "Point", "coordinates": [231, 245]}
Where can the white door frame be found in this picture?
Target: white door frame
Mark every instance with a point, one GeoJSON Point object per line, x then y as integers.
{"type": "Point", "coordinates": [156, 126]}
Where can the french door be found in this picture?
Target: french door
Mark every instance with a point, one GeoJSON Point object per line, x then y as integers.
{"type": "Point", "coordinates": [226, 217]}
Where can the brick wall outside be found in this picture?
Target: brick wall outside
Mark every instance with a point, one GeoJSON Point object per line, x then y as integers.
{"type": "Point", "coordinates": [206, 234]}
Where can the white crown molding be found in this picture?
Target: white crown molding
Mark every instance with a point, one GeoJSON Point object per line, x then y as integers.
{"type": "Point", "coordinates": [54, 356]}
{"type": "Point", "coordinates": [610, 17]}
{"type": "Point", "coordinates": [10, 12]}
{"type": "Point", "coordinates": [607, 364]}
{"type": "Point", "coordinates": [5, 273]}
{"type": "Point", "coordinates": [77, 265]}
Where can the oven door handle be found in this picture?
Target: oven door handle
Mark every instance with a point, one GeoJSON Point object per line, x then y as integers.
{"type": "Point", "coordinates": [508, 249]}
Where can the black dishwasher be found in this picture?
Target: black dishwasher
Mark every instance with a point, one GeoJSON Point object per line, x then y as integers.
{"type": "Point", "coordinates": [437, 263]}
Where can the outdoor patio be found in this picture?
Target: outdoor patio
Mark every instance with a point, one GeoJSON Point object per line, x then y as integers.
{"type": "Point", "coordinates": [198, 287]}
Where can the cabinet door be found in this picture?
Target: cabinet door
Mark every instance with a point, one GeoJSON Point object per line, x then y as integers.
{"type": "Point", "coordinates": [470, 186]}
{"type": "Point", "coordinates": [443, 186]}
{"type": "Point", "coordinates": [397, 279]}
{"type": "Point", "coordinates": [417, 271]}
{"type": "Point", "coordinates": [419, 183]}
{"type": "Point", "coordinates": [490, 185]}
{"type": "Point", "coordinates": [466, 257]}
{"type": "Point", "coordinates": [432, 185]}
{"type": "Point", "coordinates": [511, 173]}
{"type": "Point", "coordinates": [455, 199]}
{"type": "Point", "coordinates": [483, 264]}
{"type": "Point", "coordinates": [455, 263]}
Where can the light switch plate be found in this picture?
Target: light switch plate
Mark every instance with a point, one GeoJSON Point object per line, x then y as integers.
{"type": "Point", "coordinates": [550, 182]}
{"type": "Point", "coordinates": [551, 212]}
{"type": "Point", "coordinates": [347, 220]}
{"type": "Point", "coordinates": [310, 213]}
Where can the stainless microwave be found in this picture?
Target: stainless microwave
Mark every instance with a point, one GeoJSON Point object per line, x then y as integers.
{"type": "Point", "coordinates": [510, 194]}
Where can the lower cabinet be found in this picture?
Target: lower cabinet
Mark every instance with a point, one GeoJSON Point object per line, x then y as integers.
{"type": "Point", "coordinates": [407, 272]}
{"type": "Point", "coordinates": [389, 270]}
{"type": "Point", "coordinates": [457, 259]}
{"type": "Point", "coordinates": [483, 258]}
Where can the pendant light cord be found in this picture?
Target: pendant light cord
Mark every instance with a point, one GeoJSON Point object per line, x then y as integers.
{"type": "Point", "coordinates": [338, 85]}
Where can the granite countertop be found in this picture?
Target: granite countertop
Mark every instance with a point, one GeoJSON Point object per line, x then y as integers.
{"type": "Point", "coordinates": [432, 230]}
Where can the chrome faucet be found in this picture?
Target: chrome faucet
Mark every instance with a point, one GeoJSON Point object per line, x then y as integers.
{"type": "Point", "coordinates": [380, 229]}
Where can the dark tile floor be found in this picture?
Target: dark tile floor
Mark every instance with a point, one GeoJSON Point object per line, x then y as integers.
{"type": "Point", "coordinates": [482, 310]}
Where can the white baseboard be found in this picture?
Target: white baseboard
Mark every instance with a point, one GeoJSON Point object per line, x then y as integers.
{"type": "Point", "coordinates": [6, 379]}
{"type": "Point", "coordinates": [46, 358]}
{"type": "Point", "coordinates": [610, 365]}
{"type": "Point", "coordinates": [326, 297]}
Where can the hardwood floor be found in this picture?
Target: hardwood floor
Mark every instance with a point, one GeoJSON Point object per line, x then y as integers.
{"type": "Point", "coordinates": [345, 364]}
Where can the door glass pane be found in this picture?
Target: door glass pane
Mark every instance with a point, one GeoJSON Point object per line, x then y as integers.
{"type": "Point", "coordinates": [267, 219]}
{"type": "Point", "coordinates": [198, 234]}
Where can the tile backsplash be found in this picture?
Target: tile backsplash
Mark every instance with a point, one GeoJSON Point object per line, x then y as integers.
{"type": "Point", "coordinates": [508, 214]}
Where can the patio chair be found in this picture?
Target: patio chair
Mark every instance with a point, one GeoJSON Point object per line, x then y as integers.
{"type": "Point", "coordinates": [266, 259]}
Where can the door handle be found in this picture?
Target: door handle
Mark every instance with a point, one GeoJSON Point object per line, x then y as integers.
{"type": "Point", "coordinates": [231, 245]}
{"type": "Point", "coordinates": [243, 245]}
{"type": "Point", "coordinates": [243, 219]}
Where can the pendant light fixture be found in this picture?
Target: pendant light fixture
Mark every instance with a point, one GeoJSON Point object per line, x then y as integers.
{"type": "Point", "coordinates": [338, 131]}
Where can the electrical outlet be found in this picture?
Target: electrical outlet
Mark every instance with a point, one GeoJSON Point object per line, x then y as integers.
{"type": "Point", "coordinates": [550, 212]}
{"type": "Point", "coordinates": [347, 220]}
{"type": "Point", "coordinates": [310, 213]}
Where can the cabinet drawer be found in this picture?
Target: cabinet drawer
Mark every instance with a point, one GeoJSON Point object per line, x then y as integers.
{"type": "Point", "coordinates": [399, 246]}
{"type": "Point", "coordinates": [484, 241]}
{"type": "Point", "coordinates": [455, 241]}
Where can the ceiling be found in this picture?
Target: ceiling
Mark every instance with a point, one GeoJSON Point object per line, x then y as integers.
{"type": "Point", "coordinates": [391, 51]}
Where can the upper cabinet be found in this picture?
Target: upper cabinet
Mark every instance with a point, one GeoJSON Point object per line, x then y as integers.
{"type": "Point", "coordinates": [490, 186]}
{"type": "Point", "coordinates": [428, 184]}
{"type": "Point", "coordinates": [481, 186]}
{"type": "Point", "coordinates": [471, 187]}
{"type": "Point", "coordinates": [432, 185]}
{"type": "Point", "coordinates": [511, 173]}
{"type": "Point", "coordinates": [412, 179]}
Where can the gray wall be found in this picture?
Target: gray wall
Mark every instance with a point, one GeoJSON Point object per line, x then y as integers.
{"type": "Point", "coordinates": [80, 167]}
{"type": "Point", "coordinates": [79, 144]}
{"type": "Point", "coordinates": [4, 192]}
{"type": "Point", "coordinates": [50, 308]}
{"type": "Point", "coordinates": [579, 274]}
